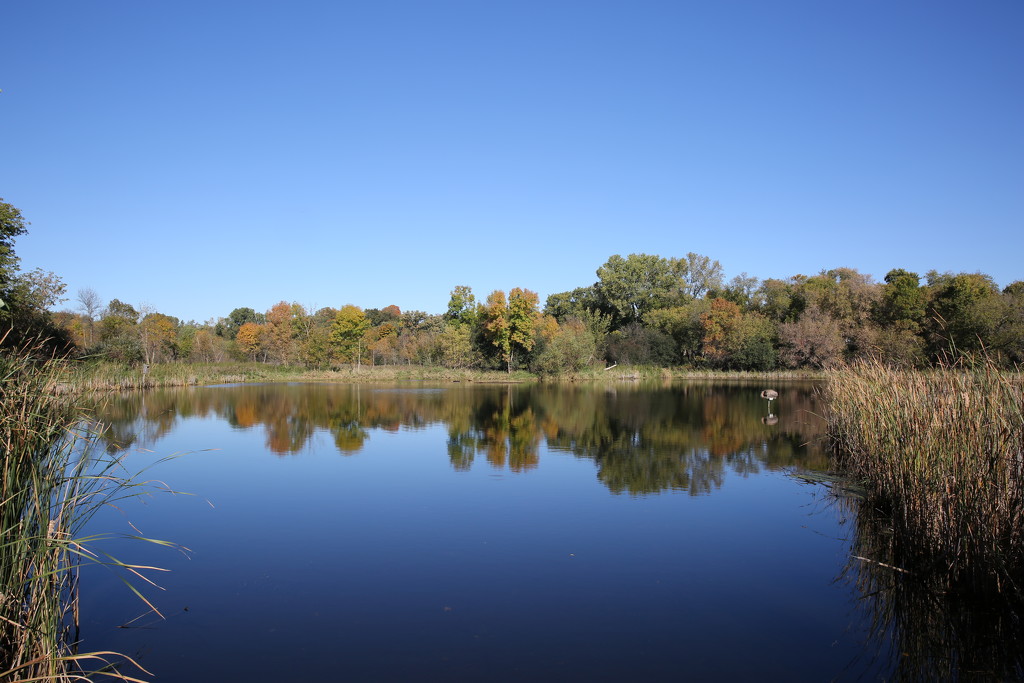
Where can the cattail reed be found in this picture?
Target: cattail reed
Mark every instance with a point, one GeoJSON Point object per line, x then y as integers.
{"type": "Point", "coordinates": [942, 452]}
{"type": "Point", "coordinates": [48, 489]}
{"type": "Point", "coordinates": [35, 426]}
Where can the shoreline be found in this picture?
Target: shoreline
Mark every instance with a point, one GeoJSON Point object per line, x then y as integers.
{"type": "Point", "coordinates": [113, 377]}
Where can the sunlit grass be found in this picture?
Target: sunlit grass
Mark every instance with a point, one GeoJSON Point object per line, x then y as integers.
{"type": "Point", "coordinates": [95, 375]}
{"type": "Point", "coordinates": [942, 452]}
{"type": "Point", "coordinates": [107, 376]}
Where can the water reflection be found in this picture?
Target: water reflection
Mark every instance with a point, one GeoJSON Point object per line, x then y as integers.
{"type": "Point", "coordinates": [644, 439]}
{"type": "Point", "coordinates": [930, 631]}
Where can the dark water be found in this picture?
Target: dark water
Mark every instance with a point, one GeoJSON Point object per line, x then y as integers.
{"type": "Point", "coordinates": [496, 533]}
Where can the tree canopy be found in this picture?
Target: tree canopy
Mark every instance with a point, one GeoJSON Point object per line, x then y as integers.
{"type": "Point", "coordinates": [643, 308]}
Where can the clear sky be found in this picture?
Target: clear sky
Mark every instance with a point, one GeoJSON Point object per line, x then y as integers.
{"type": "Point", "coordinates": [203, 155]}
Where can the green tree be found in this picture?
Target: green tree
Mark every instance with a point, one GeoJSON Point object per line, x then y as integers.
{"type": "Point", "coordinates": [37, 290]}
{"type": "Point", "coordinates": [462, 306]}
{"type": "Point", "coordinates": [12, 224]}
{"type": "Point", "coordinates": [583, 304]}
{"type": "Point", "coordinates": [118, 319]}
{"type": "Point", "coordinates": [902, 299]}
{"type": "Point", "coordinates": [315, 349]}
{"type": "Point", "coordinates": [347, 334]}
{"type": "Point", "coordinates": [236, 318]}
{"type": "Point", "coordinates": [639, 345]}
{"type": "Point", "coordinates": [742, 290]}
{"type": "Point", "coordinates": [184, 345]}
{"type": "Point", "coordinates": [578, 303]}
{"type": "Point", "coordinates": [455, 343]}
{"type": "Point", "coordinates": [683, 325]}
{"type": "Point", "coordinates": [1008, 339]}
{"type": "Point", "coordinates": [700, 274]}
{"type": "Point", "coordinates": [25, 298]}
{"type": "Point", "coordinates": [965, 311]}
{"type": "Point", "coordinates": [777, 300]}
{"type": "Point", "coordinates": [570, 348]}
{"type": "Point", "coordinates": [900, 314]}
{"type": "Point", "coordinates": [1015, 289]}
{"type": "Point", "coordinates": [752, 344]}
{"type": "Point", "coordinates": [28, 297]}
{"type": "Point", "coordinates": [119, 333]}
{"type": "Point", "coordinates": [632, 286]}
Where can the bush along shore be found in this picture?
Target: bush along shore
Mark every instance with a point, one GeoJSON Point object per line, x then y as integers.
{"type": "Point", "coordinates": [941, 453]}
{"type": "Point", "coordinates": [51, 484]}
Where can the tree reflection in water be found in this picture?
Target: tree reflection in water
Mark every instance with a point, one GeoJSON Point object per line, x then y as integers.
{"type": "Point", "coordinates": [643, 439]}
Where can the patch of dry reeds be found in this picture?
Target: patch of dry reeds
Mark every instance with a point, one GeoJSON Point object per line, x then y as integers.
{"type": "Point", "coordinates": [942, 452]}
{"type": "Point", "coordinates": [106, 376]}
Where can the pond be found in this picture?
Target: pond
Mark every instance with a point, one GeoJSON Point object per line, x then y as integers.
{"type": "Point", "coordinates": [484, 532]}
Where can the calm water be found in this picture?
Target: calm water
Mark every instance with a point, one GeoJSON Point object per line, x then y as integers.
{"type": "Point", "coordinates": [483, 532]}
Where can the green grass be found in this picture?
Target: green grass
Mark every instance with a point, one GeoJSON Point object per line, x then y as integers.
{"type": "Point", "coordinates": [51, 484]}
{"type": "Point", "coordinates": [942, 452]}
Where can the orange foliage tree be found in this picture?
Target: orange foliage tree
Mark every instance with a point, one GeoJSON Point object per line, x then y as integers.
{"type": "Point", "coordinates": [279, 332]}
{"type": "Point", "coordinates": [250, 339]}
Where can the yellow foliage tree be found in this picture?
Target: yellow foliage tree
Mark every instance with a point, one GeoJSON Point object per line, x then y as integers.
{"type": "Point", "coordinates": [719, 323]}
{"type": "Point", "coordinates": [157, 333]}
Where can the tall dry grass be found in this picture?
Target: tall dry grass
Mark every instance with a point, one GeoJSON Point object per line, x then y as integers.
{"type": "Point", "coordinates": [100, 375]}
{"type": "Point", "coordinates": [942, 451]}
{"type": "Point", "coordinates": [107, 376]}
{"type": "Point", "coordinates": [50, 484]}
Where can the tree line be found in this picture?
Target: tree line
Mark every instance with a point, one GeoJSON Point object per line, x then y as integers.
{"type": "Point", "coordinates": [643, 309]}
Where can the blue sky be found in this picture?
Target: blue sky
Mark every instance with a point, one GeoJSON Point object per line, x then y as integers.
{"type": "Point", "coordinates": [199, 156]}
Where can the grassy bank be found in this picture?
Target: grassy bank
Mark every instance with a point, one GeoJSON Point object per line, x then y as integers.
{"type": "Point", "coordinates": [942, 452]}
{"type": "Point", "coordinates": [105, 376]}
{"type": "Point", "coordinates": [47, 492]}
